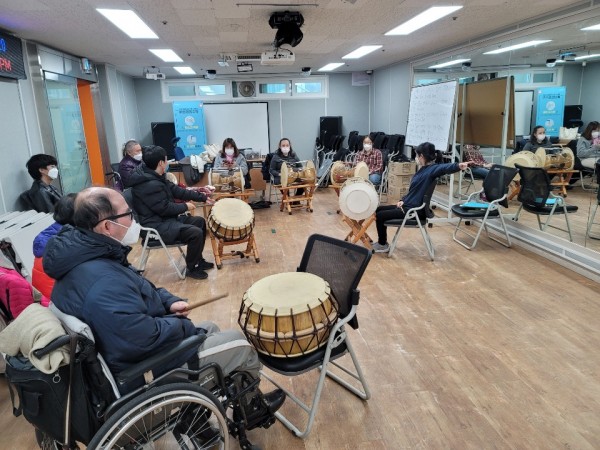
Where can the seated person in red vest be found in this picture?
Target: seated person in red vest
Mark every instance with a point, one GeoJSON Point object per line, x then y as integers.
{"type": "Point", "coordinates": [63, 215]}
{"type": "Point", "coordinates": [42, 196]}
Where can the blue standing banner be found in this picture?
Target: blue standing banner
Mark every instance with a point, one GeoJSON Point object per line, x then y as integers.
{"type": "Point", "coordinates": [551, 109]}
{"type": "Point", "coordinates": [189, 126]}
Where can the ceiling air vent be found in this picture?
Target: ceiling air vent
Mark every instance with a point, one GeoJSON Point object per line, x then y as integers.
{"type": "Point", "coordinates": [248, 58]}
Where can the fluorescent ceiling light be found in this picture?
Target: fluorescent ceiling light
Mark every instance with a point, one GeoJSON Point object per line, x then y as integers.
{"type": "Point", "coordinates": [166, 54]}
{"type": "Point", "coordinates": [593, 55]}
{"type": "Point", "coordinates": [425, 18]}
{"type": "Point", "coordinates": [331, 66]}
{"type": "Point", "coordinates": [362, 51]}
{"type": "Point", "coordinates": [185, 70]}
{"type": "Point", "coordinates": [450, 63]}
{"type": "Point", "coordinates": [592, 28]}
{"type": "Point", "coordinates": [517, 46]}
{"type": "Point", "coordinates": [129, 23]}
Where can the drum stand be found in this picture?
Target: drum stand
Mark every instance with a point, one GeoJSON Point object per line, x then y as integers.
{"type": "Point", "coordinates": [288, 201]}
{"type": "Point", "coordinates": [359, 230]}
{"type": "Point", "coordinates": [218, 246]}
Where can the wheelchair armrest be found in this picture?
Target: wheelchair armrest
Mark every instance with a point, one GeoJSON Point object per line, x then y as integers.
{"type": "Point", "coordinates": [54, 345]}
{"type": "Point", "coordinates": [141, 368]}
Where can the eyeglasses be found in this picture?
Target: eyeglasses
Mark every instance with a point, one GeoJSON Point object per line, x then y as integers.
{"type": "Point", "coordinates": [118, 216]}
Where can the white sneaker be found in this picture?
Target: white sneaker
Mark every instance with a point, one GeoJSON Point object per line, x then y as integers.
{"type": "Point", "coordinates": [378, 248]}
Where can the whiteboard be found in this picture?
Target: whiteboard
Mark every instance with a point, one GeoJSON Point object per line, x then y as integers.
{"type": "Point", "coordinates": [523, 112]}
{"type": "Point", "coordinates": [430, 114]}
{"type": "Point", "coordinates": [246, 123]}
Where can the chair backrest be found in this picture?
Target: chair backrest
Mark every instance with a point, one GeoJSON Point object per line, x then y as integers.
{"type": "Point", "coordinates": [114, 167]}
{"type": "Point", "coordinates": [427, 198]}
{"type": "Point", "coordinates": [380, 141]}
{"type": "Point", "coordinates": [352, 139]}
{"type": "Point", "coordinates": [495, 184]}
{"type": "Point", "coordinates": [341, 264]}
{"type": "Point", "coordinates": [359, 142]}
{"type": "Point", "coordinates": [535, 186]}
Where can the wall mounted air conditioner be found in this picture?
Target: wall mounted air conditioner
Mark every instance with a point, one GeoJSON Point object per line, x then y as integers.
{"type": "Point", "coordinates": [277, 59]}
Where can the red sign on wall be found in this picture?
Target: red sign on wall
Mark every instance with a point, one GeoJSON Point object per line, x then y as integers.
{"type": "Point", "coordinates": [11, 57]}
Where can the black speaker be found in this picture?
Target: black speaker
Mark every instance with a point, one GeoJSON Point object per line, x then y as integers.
{"type": "Point", "coordinates": [329, 126]}
{"type": "Point", "coordinates": [162, 134]}
{"type": "Point", "coordinates": [572, 116]}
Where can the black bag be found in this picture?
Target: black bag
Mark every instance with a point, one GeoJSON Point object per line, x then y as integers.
{"type": "Point", "coordinates": [42, 398]}
{"type": "Point", "coordinates": [190, 174]}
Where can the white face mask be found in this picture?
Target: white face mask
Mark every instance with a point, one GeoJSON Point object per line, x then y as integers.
{"type": "Point", "coordinates": [229, 151]}
{"type": "Point", "coordinates": [595, 134]}
{"type": "Point", "coordinates": [285, 150]}
{"type": "Point", "coordinates": [367, 147]}
{"type": "Point", "coordinates": [53, 173]}
{"type": "Point", "coordinates": [541, 137]}
{"type": "Point", "coordinates": [133, 233]}
{"type": "Point", "coordinates": [138, 157]}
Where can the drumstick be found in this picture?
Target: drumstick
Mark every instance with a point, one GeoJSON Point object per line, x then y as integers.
{"type": "Point", "coordinates": [198, 303]}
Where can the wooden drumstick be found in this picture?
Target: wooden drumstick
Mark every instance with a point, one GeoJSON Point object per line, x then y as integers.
{"type": "Point", "coordinates": [198, 303]}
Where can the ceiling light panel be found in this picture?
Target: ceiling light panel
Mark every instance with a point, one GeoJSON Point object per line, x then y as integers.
{"type": "Point", "coordinates": [166, 54]}
{"type": "Point", "coordinates": [449, 63]}
{"type": "Point", "coordinates": [425, 18]}
{"type": "Point", "coordinates": [129, 23]}
{"type": "Point", "coordinates": [362, 51]}
{"type": "Point", "coordinates": [593, 55]}
{"type": "Point", "coordinates": [517, 46]}
{"type": "Point", "coordinates": [592, 28]}
{"type": "Point", "coordinates": [185, 70]}
{"type": "Point", "coordinates": [331, 66]}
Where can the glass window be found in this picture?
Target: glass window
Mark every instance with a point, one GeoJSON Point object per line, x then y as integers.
{"type": "Point", "coordinates": [302, 87]}
{"type": "Point", "coordinates": [522, 78]}
{"type": "Point", "coordinates": [543, 77]}
{"type": "Point", "coordinates": [182, 90]}
{"type": "Point", "coordinates": [212, 89]}
{"type": "Point", "coordinates": [272, 88]}
{"type": "Point", "coordinates": [424, 81]}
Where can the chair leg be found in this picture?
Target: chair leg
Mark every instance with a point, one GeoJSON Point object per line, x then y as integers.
{"type": "Point", "coordinates": [427, 240]}
{"type": "Point", "coordinates": [568, 223]}
{"type": "Point", "coordinates": [394, 241]}
{"type": "Point", "coordinates": [311, 410]}
{"type": "Point", "coordinates": [507, 243]}
{"type": "Point", "coordinates": [588, 232]}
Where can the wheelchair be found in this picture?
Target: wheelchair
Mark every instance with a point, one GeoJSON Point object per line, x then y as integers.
{"type": "Point", "coordinates": [184, 408]}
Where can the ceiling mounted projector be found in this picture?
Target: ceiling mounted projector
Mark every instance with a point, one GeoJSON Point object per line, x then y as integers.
{"type": "Point", "coordinates": [551, 62]}
{"type": "Point", "coordinates": [288, 28]}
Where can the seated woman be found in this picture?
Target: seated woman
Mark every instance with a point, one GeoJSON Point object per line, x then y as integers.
{"type": "Point", "coordinates": [42, 196]}
{"type": "Point", "coordinates": [132, 157]}
{"type": "Point", "coordinates": [480, 167]}
{"type": "Point", "coordinates": [284, 154]}
{"type": "Point", "coordinates": [537, 139]}
{"type": "Point", "coordinates": [587, 151]}
{"type": "Point", "coordinates": [428, 171]}
{"type": "Point", "coordinates": [230, 158]}
{"type": "Point", "coordinates": [373, 158]}
{"type": "Point", "coordinates": [63, 215]}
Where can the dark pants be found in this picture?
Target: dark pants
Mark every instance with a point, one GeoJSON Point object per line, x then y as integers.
{"type": "Point", "coordinates": [383, 213]}
{"type": "Point", "coordinates": [193, 237]}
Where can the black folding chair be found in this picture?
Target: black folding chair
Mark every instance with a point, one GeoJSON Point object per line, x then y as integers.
{"type": "Point", "coordinates": [537, 198]}
{"type": "Point", "coordinates": [495, 188]}
{"type": "Point", "coordinates": [342, 265]}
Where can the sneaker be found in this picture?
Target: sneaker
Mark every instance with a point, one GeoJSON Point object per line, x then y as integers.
{"type": "Point", "coordinates": [204, 265]}
{"type": "Point", "coordinates": [378, 248]}
{"type": "Point", "coordinates": [197, 274]}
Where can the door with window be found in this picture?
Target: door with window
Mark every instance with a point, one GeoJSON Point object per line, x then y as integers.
{"type": "Point", "coordinates": [68, 132]}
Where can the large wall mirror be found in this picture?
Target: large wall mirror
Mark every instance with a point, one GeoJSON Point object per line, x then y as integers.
{"type": "Point", "coordinates": [565, 55]}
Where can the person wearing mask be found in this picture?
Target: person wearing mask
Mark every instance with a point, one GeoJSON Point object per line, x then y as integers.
{"type": "Point", "coordinates": [537, 139]}
{"type": "Point", "coordinates": [154, 199]}
{"type": "Point", "coordinates": [132, 157]}
{"type": "Point", "coordinates": [373, 158]}
{"type": "Point", "coordinates": [132, 319]}
{"type": "Point", "coordinates": [427, 173]}
{"type": "Point", "coordinates": [587, 151]}
{"type": "Point", "coordinates": [284, 154]}
{"type": "Point", "coordinates": [230, 157]}
{"type": "Point", "coordinates": [42, 196]}
{"type": "Point", "coordinates": [63, 215]}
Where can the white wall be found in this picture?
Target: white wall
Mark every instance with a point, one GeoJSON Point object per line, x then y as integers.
{"type": "Point", "coordinates": [391, 94]}
{"type": "Point", "coordinates": [590, 93]}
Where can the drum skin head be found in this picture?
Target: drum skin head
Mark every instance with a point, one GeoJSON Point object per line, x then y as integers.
{"type": "Point", "coordinates": [358, 198]}
{"type": "Point", "coordinates": [232, 213]}
{"type": "Point", "coordinates": [522, 158]}
{"type": "Point", "coordinates": [286, 293]}
{"type": "Point", "coordinates": [362, 170]}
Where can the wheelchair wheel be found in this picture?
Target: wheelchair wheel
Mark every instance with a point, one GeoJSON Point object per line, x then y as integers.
{"type": "Point", "coordinates": [173, 416]}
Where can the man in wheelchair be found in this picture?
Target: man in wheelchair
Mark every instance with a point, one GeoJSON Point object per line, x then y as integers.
{"type": "Point", "coordinates": [133, 321]}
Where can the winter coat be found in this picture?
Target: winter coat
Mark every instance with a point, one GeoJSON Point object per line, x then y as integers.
{"type": "Point", "coordinates": [40, 280]}
{"type": "Point", "coordinates": [154, 202]}
{"type": "Point", "coordinates": [125, 311]}
{"type": "Point", "coordinates": [41, 196]}
{"type": "Point", "coordinates": [16, 293]}
{"type": "Point", "coordinates": [126, 168]}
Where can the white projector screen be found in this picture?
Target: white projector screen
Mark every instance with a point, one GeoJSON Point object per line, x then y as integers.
{"type": "Point", "coordinates": [246, 123]}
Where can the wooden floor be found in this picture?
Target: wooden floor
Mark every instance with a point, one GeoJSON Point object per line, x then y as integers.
{"type": "Point", "coordinates": [494, 348]}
